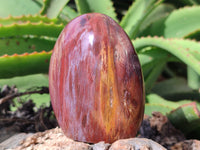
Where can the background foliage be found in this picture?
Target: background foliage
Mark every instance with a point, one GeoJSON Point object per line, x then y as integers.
{"type": "Point", "coordinates": [165, 35]}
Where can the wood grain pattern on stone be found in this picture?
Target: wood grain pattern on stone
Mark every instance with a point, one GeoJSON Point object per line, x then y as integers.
{"type": "Point", "coordinates": [95, 81]}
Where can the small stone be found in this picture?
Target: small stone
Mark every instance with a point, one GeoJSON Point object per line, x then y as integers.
{"type": "Point", "coordinates": [7, 132]}
{"type": "Point", "coordinates": [136, 144]}
{"type": "Point", "coordinates": [14, 140]}
{"type": "Point", "coordinates": [101, 146]}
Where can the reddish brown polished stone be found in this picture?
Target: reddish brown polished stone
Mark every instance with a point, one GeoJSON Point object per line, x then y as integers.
{"type": "Point", "coordinates": [95, 81]}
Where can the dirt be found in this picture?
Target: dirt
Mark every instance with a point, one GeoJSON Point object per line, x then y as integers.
{"type": "Point", "coordinates": [26, 118]}
{"type": "Point", "coordinates": [159, 129]}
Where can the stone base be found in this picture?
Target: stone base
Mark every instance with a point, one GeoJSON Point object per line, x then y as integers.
{"type": "Point", "coordinates": [54, 139]}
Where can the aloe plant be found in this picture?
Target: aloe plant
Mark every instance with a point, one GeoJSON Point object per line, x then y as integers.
{"type": "Point", "coordinates": [162, 33]}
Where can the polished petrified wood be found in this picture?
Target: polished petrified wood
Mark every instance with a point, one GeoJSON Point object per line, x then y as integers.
{"type": "Point", "coordinates": [95, 81]}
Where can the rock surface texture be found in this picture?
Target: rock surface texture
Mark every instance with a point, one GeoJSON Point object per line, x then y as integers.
{"type": "Point", "coordinates": [136, 144]}
{"type": "Point", "coordinates": [54, 139]}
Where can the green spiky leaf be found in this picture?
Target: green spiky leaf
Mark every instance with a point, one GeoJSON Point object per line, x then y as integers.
{"type": "Point", "coordinates": [186, 50]}
{"type": "Point", "coordinates": [175, 89]}
{"type": "Point", "coordinates": [180, 23]}
{"type": "Point", "coordinates": [187, 119]}
{"type": "Point", "coordinates": [193, 78]}
{"type": "Point", "coordinates": [52, 8]}
{"type": "Point", "coordinates": [136, 14]}
{"type": "Point", "coordinates": [26, 18]}
{"type": "Point", "coordinates": [149, 108]}
{"type": "Point", "coordinates": [100, 6]}
{"type": "Point", "coordinates": [156, 103]}
{"type": "Point", "coordinates": [18, 7]}
{"type": "Point", "coordinates": [68, 13]}
{"type": "Point", "coordinates": [153, 62]}
{"type": "Point", "coordinates": [159, 12]}
{"type": "Point", "coordinates": [25, 64]}
{"type": "Point", "coordinates": [28, 28]}
{"type": "Point", "coordinates": [22, 45]}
